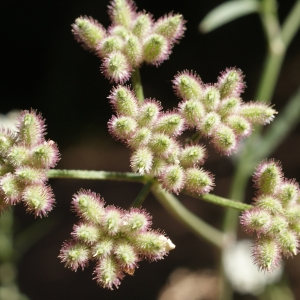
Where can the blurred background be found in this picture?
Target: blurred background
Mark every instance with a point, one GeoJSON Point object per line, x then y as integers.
{"type": "Point", "coordinates": [45, 69]}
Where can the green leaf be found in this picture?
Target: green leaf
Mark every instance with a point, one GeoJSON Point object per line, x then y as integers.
{"type": "Point", "coordinates": [228, 12]}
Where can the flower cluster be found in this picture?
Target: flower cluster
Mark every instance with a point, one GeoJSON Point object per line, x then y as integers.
{"type": "Point", "coordinates": [151, 135]}
{"type": "Point", "coordinates": [217, 110]}
{"type": "Point", "coordinates": [114, 238]}
{"type": "Point", "coordinates": [275, 217]}
{"type": "Point", "coordinates": [25, 157]}
{"type": "Point", "coordinates": [133, 38]}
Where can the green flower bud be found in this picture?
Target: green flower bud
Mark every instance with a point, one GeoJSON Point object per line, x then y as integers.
{"type": "Point", "coordinates": [148, 114]}
{"type": "Point", "coordinates": [192, 111]}
{"type": "Point", "coordinates": [158, 166]}
{"type": "Point", "coordinates": [161, 144]}
{"type": "Point", "coordinates": [126, 256]}
{"type": "Point", "coordinates": [87, 233]}
{"type": "Point", "coordinates": [142, 25]}
{"type": "Point", "coordinates": [257, 113]}
{"type": "Point", "coordinates": [45, 155]}
{"type": "Point", "coordinates": [292, 212]}
{"type": "Point", "coordinates": [112, 220]}
{"type": "Point", "coordinates": [198, 181]}
{"type": "Point", "coordinates": [192, 155]}
{"type": "Point", "coordinates": [12, 188]}
{"type": "Point", "coordinates": [239, 125]}
{"type": "Point", "coordinates": [141, 160]}
{"type": "Point", "coordinates": [122, 127]}
{"type": "Point", "coordinates": [19, 155]}
{"type": "Point", "coordinates": [173, 178]}
{"type": "Point", "coordinates": [269, 203]}
{"type": "Point", "coordinates": [279, 224]}
{"type": "Point", "coordinates": [224, 139]}
{"type": "Point", "coordinates": [88, 32]}
{"type": "Point", "coordinates": [136, 220]}
{"type": "Point", "coordinates": [188, 85]}
{"type": "Point", "coordinates": [229, 106]}
{"type": "Point", "coordinates": [133, 51]}
{"type": "Point", "coordinates": [110, 44]}
{"type": "Point", "coordinates": [120, 31]}
{"type": "Point", "coordinates": [170, 124]}
{"type": "Point", "coordinates": [141, 138]}
{"type": "Point", "coordinates": [122, 12]}
{"type": "Point", "coordinates": [288, 193]}
{"type": "Point", "coordinates": [30, 175]}
{"type": "Point", "coordinates": [289, 243]}
{"type": "Point", "coordinates": [156, 49]}
{"type": "Point", "coordinates": [209, 123]}
{"type": "Point", "coordinates": [211, 98]}
{"type": "Point", "coordinates": [103, 248]}
{"type": "Point", "coordinates": [7, 140]}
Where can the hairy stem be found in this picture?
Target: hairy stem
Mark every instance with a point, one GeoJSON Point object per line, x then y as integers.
{"type": "Point", "coordinates": [137, 84]}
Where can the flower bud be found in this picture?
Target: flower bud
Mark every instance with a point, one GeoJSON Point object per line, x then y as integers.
{"type": "Point", "coordinates": [120, 31]}
{"type": "Point", "coordinates": [88, 206]}
{"type": "Point", "coordinates": [86, 233]}
{"type": "Point", "coordinates": [45, 155]}
{"type": "Point", "coordinates": [156, 49]}
{"type": "Point", "coordinates": [279, 224]}
{"type": "Point", "coordinates": [269, 203]}
{"type": "Point", "coordinates": [122, 12]}
{"type": "Point", "coordinates": [108, 273]}
{"type": "Point", "coordinates": [192, 111]}
{"type": "Point", "coordinates": [188, 85]}
{"type": "Point", "coordinates": [141, 138]}
{"type": "Point", "coordinates": [133, 51]}
{"type": "Point", "coordinates": [239, 125]}
{"type": "Point", "coordinates": [266, 254]}
{"type": "Point", "coordinates": [110, 44]}
{"type": "Point", "coordinates": [142, 25]}
{"type": "Point", "coordinates": [148, 113]}
{"type": "Point", "coordinates": [161, 144]}
{"type": "Point", "coordinates": [170, 26]}
{"type": "Point", "coordinates": [122, 127]}
{"type": "Point", "coordinates": [288, 193]}
{"type": "Point", "coordinates": [224, 139]}
{"type": "Point", "coordinates": [124, 101]}
{"type": "Point", "coordinates": [116, 67]}
{"type": "Point", "coordinates": [12, 188]}
{"type": "Point", "coordinates": [19, 156]}
{"type": "Point", "coordinates": [257, 113]}
{"type": "Point", "coordinates": [31, 175]}
{"type": "Point", "coordinates": [292, 212]}
{"type": "Point", "coordinates": [211, 98]}
{"type": "Point", "coordinates": [192, 155]}
{"type": "Point", "coordinates": [74, 255]}
{"type": "Point", "coordinates": [230, 83]}
{"type": "Point", "coordinates": [7, 140]}
{"type": "Point", "coordinates": [141, 160]}
{"type": "Point", "coordinates": [158, 166]}
{"type": "Point", "coordinates": [38, 199]}
{"type": "Point", "coordinates": [126, 256]}
{"type": "Point", "coordinates": [268, 177]}
{"type": "Point", "coordinates": [209, 123]}
{"type": "Point", "coordinates": [256, 220]}
{"type": "Point", "coordinates": [136, 220]}
{"type": "Point", "coordinates": [173, 178]}
{"type": "Point", "coordinates": [103, 248]}
{"type": "Point", "coordinates": [170, 124]}
{"type": "Point", "coordinates": [112, 220]}
{"type": "Point", "coordinates": [229, 106]}
{"type": "Point", "coordinates": [289, 243]}
{"type": "Point", "coordinates": [198, 181]}
{"type": "Point", "coordinates": [88, 32]}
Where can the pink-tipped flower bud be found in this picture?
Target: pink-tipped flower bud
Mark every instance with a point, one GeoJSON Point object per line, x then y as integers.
{"type": "Point", "coordinates": [116, 67]}
{"type": "Point", "coordinates": [269, 203]}
{"type": "Point", "coordinates": [229, 106]}
{"type": "Point", "coordinates": [11, 188]}
{"type": "Point", "coordinates": [133, 50]}
{"type": "Point", "coordinates": [170, 26]}
{"type": "Point", "coordinates": [268, 177]}
{"type": "Point", "coordinates": [38, 199]}
{"type": "Point", "coordinates": [136, 220]}
{"type": "Point", "coordinates": [88, 206]}
{"type": "Point", "coordinates": [141, 138]}
{"type": "Point", "coordinates": [88, 32]}
{"type": "Point", "coordinates": [141, 160]}
{"type": "Point", "coordinates": [256, 220]}
{"type": "Point", "coordinates": [192, 155]}
{"type": "Point", "coordinates": [112, 220]}
{"type": "Point", "coordinates": [122, 128]}
{"type": "Point", "coordinates": [224, 139]}
{"type": "Point", "coordinates": [158, 166]}
{"type": "Point", "coordinates": [239, 125]}
{"type": "Point", "coordinates": [288, 242]}
{"type": "Point", "coordinates": [230, 83]}
{"type": "Point", "coordinates": [188, 85]}
{"type": "Point", "coordinates": [279, 225]}
{"type": "Point", "coordinates": [169, 123]}
{"type": "Point", "coordinates": [19, 156]}
{"type": "Point", "coordinates": [292, 212]}
{"type": "Point", "coordinates": [31, 175]}
{"type": "Point", "coordinates": [211, 98]}
{"type": "Point", "coordinates": [173, 178]}
{"type": "Point", "coordinates": [142, 25]}
{"type": "Point", "coordinates": [126, 256]}
{"type": "Point", "coordinates": [257, 113]}
{"type": "Point", "coordinates": [288, 192]}
{"type": "Point", "coordinates": [74, 255]}
{"type": "Point", "coordinates": [267, 254]}
{"type": "Point", "coordinates": [7, 140]}
{"type": "Point", "coordinates": [124, 101]}
{"type": "Point", "coordinates": [161, 144]}
{"type": "Point", "coordinates": [110, 44]}
{"type": "Point", "coordinates": [103, 248]}
{"type": "Point", "coordinates": [198, 181]}
{"type": "Point", "coordinates": [120, 31]}
{"type": "Point", "coordinates": [209, 123]}
{"type": "Point", "coordinates": [108, 273]}
{"type": "Point", "coordinates": [192, 111]}
{"type": "Point", "coordinates": [86, 233]}
{"type": "Point", "coordinates": [148, 113]}
{"type": "Point", "coordinates": [122, 12]}
{"type": "Point", "coordinates": [156, 49]}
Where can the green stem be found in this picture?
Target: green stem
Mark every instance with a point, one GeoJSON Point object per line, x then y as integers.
{"type": "Point", "coordinates": [187, 218]}
{"type": "Point", "coordinates": [137, 84]}
{"type": "Point", "coordinates": [143, 194]}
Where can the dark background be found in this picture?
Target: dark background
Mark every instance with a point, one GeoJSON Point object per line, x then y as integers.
{"type": "Point", "coordinates": [45, 69]}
